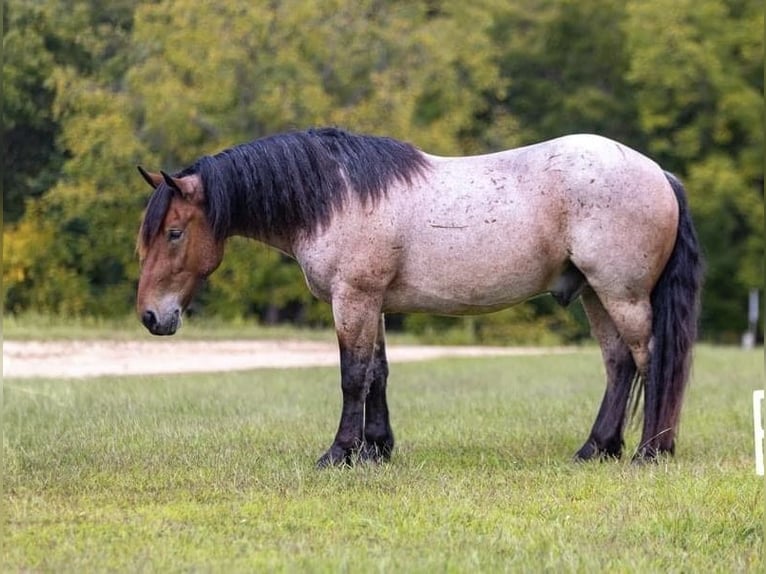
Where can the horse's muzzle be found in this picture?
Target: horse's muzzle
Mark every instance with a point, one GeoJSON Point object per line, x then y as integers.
{"type": "Point", "coordinates": [167, 325]}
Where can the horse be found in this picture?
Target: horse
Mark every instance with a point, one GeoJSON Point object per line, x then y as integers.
{"type": "Point", "coordinates": [379, 226]}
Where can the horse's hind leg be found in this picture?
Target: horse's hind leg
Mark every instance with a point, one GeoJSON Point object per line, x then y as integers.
{"type": "Point", "coordinates": [633, 319]}
{"type": "Point", "coordinates": [378, 436]}
{"type": "Point", "coordinates": [606, 436]}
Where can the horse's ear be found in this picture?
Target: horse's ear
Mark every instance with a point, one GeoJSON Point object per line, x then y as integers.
{"type": "Point", "coordinates": [189, 186]}
{"type": "Point", "coordinates": [153, 179]}
{"type": "Point", "coordinates": [171, 181]}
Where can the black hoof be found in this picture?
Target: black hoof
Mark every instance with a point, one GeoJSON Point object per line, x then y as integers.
{"type": "Point", "coordinates": [376, 454]}
{"type": "Point", "coordinates": [645, 455]}
{"type": "Point", "coordinates": [587, 452]}
{"type": "Point", "coordinates": [591, 451]}
{"type": "Point", "coordinates": [366, 452]}
{"type": "Point", "coordinates": [336, 456]}
{"type": "Point", "coordinates": [641, 460]}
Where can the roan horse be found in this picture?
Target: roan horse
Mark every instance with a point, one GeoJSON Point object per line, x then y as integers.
{"type": "Point", "coordinates": [378, 226]}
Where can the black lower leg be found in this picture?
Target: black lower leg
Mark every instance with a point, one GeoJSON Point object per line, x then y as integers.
{"type": "Point", "coordinates": [378, 436]}
{"type": "Point", "coordinates": [350, 436]}
{"type": "Point", "coordinates": [650, 435]}
{"type": "Point", "coordinates": [606, 436]}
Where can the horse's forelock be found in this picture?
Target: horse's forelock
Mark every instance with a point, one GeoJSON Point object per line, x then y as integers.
{"type": "Point", "coordinates": [156, 209]}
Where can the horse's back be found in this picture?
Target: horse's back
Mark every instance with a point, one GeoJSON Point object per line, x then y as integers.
{"type": "Point", "coordinates": [480, 233]}
{"type": "Point", "coordinates": [495, 229]}
{"type": "Point", "coordinates": [580, 173]}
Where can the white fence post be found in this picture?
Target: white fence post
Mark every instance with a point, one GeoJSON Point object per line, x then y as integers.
{"type": "Point", "coordinates": [759, 434]}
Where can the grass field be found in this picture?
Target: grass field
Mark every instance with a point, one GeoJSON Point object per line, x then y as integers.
{"type": "Point", "coordinates": [214, 473]}
{"type": "Point", "coordinates": [33, 327]}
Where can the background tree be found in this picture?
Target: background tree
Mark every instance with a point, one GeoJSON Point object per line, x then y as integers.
{"type": "Point", "coordinates": [31, 158]}
{"type": "Point", "coordinates": [697, 71]}
{"type": "Point", "coordinates": [71, 252]}
{"type": "Point", "coordinates": [248, 71]}
{"type": "Point", "coordinates": [90, 93]}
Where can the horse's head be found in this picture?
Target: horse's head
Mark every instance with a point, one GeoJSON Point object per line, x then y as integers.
{"type": "Point", "coordinates": [177, 249]}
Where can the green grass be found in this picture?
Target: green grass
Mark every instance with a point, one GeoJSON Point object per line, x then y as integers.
{"type": "Point", "coordinates": [33, 327]}
{"type": "Point", "coordinates": [214, 473]}
{"type": "Point", "coordinates": [29, 327]}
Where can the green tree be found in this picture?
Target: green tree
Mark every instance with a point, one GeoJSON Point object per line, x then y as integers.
{"type": "Point", "coordinates": [91, 92]}
{"type": "Point", "coordinates": [696, 68]}
{"type": "Point", "coordinates": [565, 64]}
{"type": "Point", "coordinates": [31, 158]}
{"type": "Point", "coordinates": [209, 76]}
{"type": "Point", "coordinates": [72, 252]}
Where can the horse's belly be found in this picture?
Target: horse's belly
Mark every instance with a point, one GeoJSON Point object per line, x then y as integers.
{"type": "Point", "coordinates": [410, 299]}
{"type": "Point", "coordinates": [470, 285]}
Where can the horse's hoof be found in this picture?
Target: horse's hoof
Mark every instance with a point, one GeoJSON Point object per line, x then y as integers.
{"type": "Point", "coordinates": [587, 452]}
{"type": "Point", "coordinates": [590, 451]}
{"type": "Point", "coordinates": [373, 453]}
{"type": "Point", "coordinates": [645, 455]}
{"type": "Point", "coordinates": [336, 456]}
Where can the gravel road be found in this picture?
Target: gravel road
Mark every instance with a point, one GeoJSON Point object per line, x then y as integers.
{"type": "Point", "coordinates": [75, 359]}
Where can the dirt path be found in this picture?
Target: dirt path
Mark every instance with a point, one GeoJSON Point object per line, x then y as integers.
{"type": "Point", "coordinates": [73, 359]}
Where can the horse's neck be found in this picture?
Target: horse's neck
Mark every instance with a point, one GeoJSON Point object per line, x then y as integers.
{"type": "Point", "coordinates": [281, 243]}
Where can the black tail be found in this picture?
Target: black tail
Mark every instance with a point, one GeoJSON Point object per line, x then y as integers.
{"type": "Point", "coordinates": [675, 310]}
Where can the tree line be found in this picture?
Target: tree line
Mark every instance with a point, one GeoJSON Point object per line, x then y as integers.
{"type": "Point", "coordinates": [92, 90]}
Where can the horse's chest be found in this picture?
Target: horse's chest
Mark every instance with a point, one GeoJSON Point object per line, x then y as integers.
{"type": "Point", "coordinates": [363, 257]}
{"type": "Point", "coordinates": [318, 280]}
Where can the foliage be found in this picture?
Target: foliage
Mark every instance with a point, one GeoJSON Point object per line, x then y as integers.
{"type": "Point", "coordinates": [539, 322]}
{"type": "Point", "coordinates": [30, 155]}
{"type": "Point", "coordinates": [697, 68]}
{"type": "Point", "coordinates": [215, 473]}
{"type": "Point", "coordinates": [90, 93]}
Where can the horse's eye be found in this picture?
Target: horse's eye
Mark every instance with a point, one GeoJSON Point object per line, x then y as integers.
{"type": "Point", "coordinates": [175, 234]}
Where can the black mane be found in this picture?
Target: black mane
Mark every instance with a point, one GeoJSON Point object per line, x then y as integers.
{"type": "Point", "coordinates": [290, 182]}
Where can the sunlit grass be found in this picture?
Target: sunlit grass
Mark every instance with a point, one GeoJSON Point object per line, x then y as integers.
{"type": "Point", "coordinates": [33, 327]}
{"type": "Point", "coordinates": [215, 473]}
{"type": "Point", "coordinates": [30, 327]}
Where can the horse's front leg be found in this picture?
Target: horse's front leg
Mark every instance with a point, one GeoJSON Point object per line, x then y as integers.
{"type": "Point", "coordinates": [356, 316]}
{"type": "Point", "coordinates": [378, 436]}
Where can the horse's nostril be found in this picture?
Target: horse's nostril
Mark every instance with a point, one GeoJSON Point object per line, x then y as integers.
{"type": "Point", "coordinates": [149, 319]}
